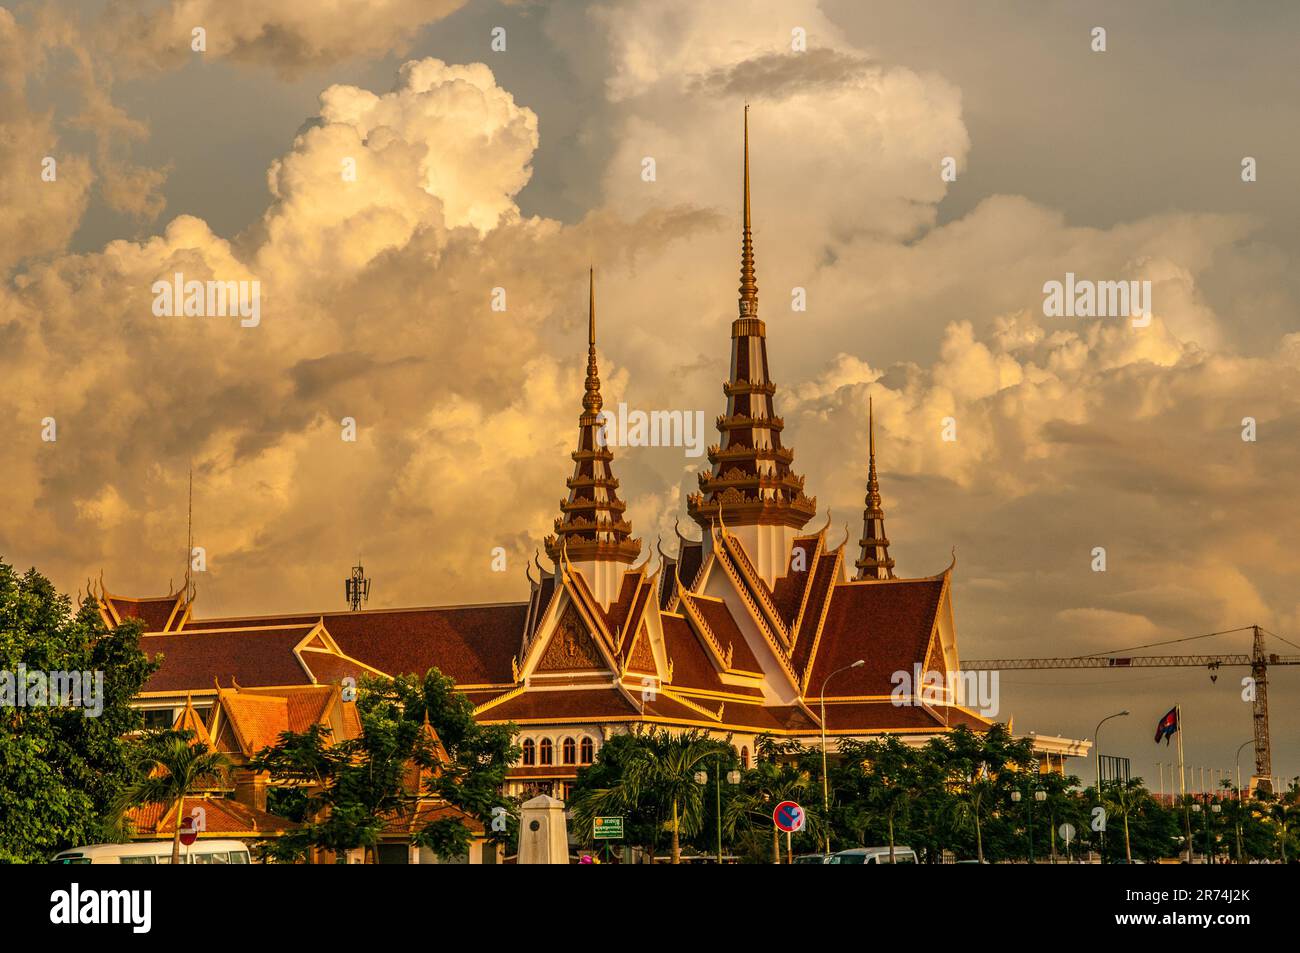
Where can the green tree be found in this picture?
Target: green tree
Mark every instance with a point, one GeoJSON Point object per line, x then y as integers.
{"type": "Point", "coordinates": [659, 770]}
{"type": "Point", "coordinates": [764, 786]}
{"type": "Point", "coordinates": [980, 770]}
{"type": "Point", "coordinates": [355, 786]}
{"type": "Point", "coordinates": [62, 769]}
{"type": "Point", "coordinates": [172, 767]}
{"type": "Point", "coordinates": [875, 780]}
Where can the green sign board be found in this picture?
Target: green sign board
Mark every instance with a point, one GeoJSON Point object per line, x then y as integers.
{"type": "Point", "coordinates": [607, 828]}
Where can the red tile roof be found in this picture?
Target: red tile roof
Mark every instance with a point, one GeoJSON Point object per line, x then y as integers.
{"type": "Point", "coordinates": [471, 644]}
{"type": "Point", "coordinates": [153, 613]}
{"type": "Point", "coordinates": [887, 623]}
{"type": "Point", "coordinates": [719, 619]}
{"type": "Point", "coordinates": [251, 656]}
{"type": "Point", "coordinates": [576, 703]}
{"type": "Point", "coordinates": [224, 817]}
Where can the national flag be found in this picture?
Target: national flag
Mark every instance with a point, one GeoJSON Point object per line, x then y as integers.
{"type": "Point", "coordinates": [1167, 726]}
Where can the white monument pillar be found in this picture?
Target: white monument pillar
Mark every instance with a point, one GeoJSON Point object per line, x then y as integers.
{"type": "Point", "coordinates": [543, 835]}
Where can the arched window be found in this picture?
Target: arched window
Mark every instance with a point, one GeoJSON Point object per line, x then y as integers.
{"type": "Point", "coordinates": [588, 751]}
{"type": "Point", "coordinates": [744, 757]}
{"type": "Point", "coordinates": [548, 752]}
{"type": "Point", "coordinates": [530, 751]}
{"type": "Point", "coordinates": [569, 750]}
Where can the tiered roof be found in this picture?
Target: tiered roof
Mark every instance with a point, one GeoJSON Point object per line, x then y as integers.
{"type": "Point", "coordinates": [750, 471]}
{"type": "Point", "coordinates": [591, 524]}
{"type": "Point", "coordinates": [874, 561]}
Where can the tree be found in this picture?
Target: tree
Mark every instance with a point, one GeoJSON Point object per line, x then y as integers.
{"type": "Point", "coordinates": [877, 779]}
{"type": "Point", "coordinates": [643, 823]}
{"type": "Point", "coordinates": [63, 768]}
{"type": "Point", "coordinates": [660, 770]}
{"type": "Point", "coordinates": [980, 769]}
{"type": "Point", "coordinates": [771, 781]}
{"type": "Point", "coordinates": [354, 786]}
{"type": "Point", "coordinates": [173, 767]}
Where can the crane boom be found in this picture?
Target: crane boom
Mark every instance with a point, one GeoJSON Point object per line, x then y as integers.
{"type": "Point", "coordinates": [1257, 661]}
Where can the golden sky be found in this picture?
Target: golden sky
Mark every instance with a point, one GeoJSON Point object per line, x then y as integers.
{"type": "Point", "coordinates": [480, 169]}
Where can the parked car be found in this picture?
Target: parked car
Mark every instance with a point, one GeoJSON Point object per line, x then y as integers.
{"type": "Point", "coordinates": [157, 852]}
{"type": "Point", "coordinates": [873, 855]}
{"type": "Point", "coordinates": [813, 859]}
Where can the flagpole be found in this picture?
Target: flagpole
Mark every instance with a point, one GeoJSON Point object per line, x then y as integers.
{"type": "Point", "coordinates": [1182, 781]}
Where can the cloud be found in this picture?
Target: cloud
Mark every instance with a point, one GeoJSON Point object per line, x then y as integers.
{"type": "Point", "coordinates": [289, 36]}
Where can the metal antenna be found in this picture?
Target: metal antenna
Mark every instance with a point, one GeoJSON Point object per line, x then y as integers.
{"type": "Point", "coordinates": [357, 586]}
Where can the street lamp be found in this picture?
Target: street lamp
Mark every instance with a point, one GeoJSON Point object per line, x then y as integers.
{"type": "Point", "coordinates": [1097, 742]}
{"type": "Point", "coordinates": [1040, 795]}
{"type": "Point", "coordinates": [702, 778]}
{"type": "Point", "coordinates": [1214, 809]}
{"type": "Point", "coordinates": [826, 789]}
{"type": "Point", "coordinates": [1248, 741]}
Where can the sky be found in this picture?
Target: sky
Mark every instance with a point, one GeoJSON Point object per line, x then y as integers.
{"type": "Point", "coordinates": [482, 168]}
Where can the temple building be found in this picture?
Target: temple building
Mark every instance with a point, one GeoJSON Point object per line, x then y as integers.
{"type": "Point", "coordinates": [744, 629]}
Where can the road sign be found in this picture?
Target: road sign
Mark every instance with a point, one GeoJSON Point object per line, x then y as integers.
{"type": "Point", "coordinates": [789, 817]}
{"type": "Point", "coordinates": [607, 828]}
{"type": "Point", "coordinates": [1067, 833]}
{"type": "Point", "coordinates": [188, 832]}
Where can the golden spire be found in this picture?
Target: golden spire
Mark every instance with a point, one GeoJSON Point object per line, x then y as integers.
{"type": "Point", "coordinates": [591, 401]}
{"type": "Point", "coordinates": [874, 562]}
{"type": "Point", "coordinates": [592, 524]}
{"type": "Point", "coordinates": [748, 286]}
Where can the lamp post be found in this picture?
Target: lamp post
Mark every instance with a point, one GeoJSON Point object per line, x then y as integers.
{"type": "Point", "coordinates": [1248, 741]}
{"type": "Point", "coordinates": [1040, 795]}
{"type": "Point", "coordinates": [1209, 847]}
{"type": "Point", "coordinates": [702, 778]}
{"type": "Point", "coordinates": [1096, 740]}
{"type": "Point", "coordinates": [826, 789]}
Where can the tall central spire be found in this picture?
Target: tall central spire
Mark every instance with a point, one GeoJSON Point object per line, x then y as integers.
{"type": "Point", "coordinates": [750, 474]}
{"type": "Point", "coordinates": [874, 562]}
{"type": "Point", "coordinates": [591, 527]}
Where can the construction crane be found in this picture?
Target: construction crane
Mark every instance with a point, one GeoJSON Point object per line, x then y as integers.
{"type": "Point", "coordinates": [1258, 661]}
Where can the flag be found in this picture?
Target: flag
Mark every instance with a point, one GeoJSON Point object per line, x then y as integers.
{"type": "Point", "coordinates": [1167, 726]}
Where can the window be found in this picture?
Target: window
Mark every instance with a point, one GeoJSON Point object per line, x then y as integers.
{"type": "Point", "coordinates": [588, 751]}
{"type": "Point", "coordinates": [158, 718]}
{"type": "Point", "coordinates": [566, 791]}
{"type": "Point", "coordinates": [547, 752]}
{"type": "Point", "coordinates": [530, 751]}
{"type": "Point", "coordinates": [744, 757]}
{"type": "Point", "coordinates": [570, 750]}
{"type": "Point", "coordinates": [142, 859]}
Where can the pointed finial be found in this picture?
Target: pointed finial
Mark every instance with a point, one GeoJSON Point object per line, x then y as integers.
{"type": "Point", "coordinates": [873, 480]}
{"type": "Point", "coordinates": [871, 428]}
{"type": "Point", "coordinates": [591, 401]}
{"type": "Point", "coordinates": [748, 285]}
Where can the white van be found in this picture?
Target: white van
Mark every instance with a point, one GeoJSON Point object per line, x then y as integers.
{"type": "Point", "coordinates": [157, 852]}
{"type": "Point", "coordinates": [873, 855]}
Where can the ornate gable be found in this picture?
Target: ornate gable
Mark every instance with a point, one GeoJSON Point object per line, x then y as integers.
{"type": "Point", "coordinates": [571, 647]}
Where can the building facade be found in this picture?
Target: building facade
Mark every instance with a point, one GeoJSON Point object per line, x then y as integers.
{"type": "Point", "coordinates": [752, 626]}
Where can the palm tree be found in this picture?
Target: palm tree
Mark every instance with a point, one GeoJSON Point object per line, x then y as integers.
{"type": "Point", "coordinates": [173, 767]}
{"type": "Point", "coordinates": [765, 786]}
{"type": "Point", "coordinates": [666, 768]}
{"type": "Point", "coordinates": [660, 773]}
